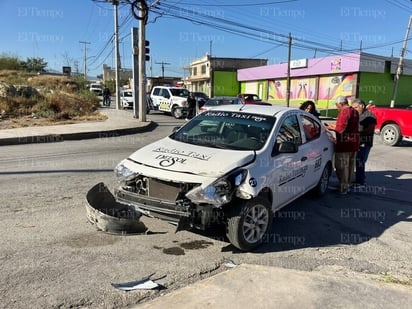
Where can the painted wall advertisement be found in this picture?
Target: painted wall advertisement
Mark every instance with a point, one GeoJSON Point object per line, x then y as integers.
{"type": "Point", "coordinates": [302, 89]}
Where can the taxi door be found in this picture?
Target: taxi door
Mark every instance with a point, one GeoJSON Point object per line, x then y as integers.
{"type": "Point", "coordinates": [289, 169]}
{"type": "Point", "coordinates": [312, 148]}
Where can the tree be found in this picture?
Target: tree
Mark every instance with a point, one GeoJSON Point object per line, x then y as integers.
{"type": "Point", "coordinates": [34, 64]}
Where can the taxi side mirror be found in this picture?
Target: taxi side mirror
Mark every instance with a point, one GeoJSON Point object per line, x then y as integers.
{"type": "Point", "coordinates": [285, 147]}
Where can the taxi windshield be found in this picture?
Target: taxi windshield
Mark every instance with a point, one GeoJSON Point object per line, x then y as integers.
{"type": "Point", "coordinates": [227, 130]}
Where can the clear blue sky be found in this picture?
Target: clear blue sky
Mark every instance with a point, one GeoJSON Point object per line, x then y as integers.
{"type": "Point", "coordinates": [180, 31]}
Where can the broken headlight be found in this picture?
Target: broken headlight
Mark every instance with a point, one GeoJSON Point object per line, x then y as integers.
{"type": "Point", "coordinates": [123, 173]}
{"type": "Point", "coordinates": [220, 191]}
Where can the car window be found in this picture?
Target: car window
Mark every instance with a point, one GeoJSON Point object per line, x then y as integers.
{"type": "Point", "coordinates": [289, 131]}
{"type": "Point", "coordinates": [200, 95]}
{"type": "Point", "coordinates": [156, 91]}
{"type": "Point", "coordinates": [226, 130]}
{"type": "Point", "coordinates": [212, 102]}
{"type": "Point", "coordinates": [179, 92]}
{"type": "Point", "coordinates": [221, 101]}
{"type": "Point", "coordinates": [164, 93]}
{"type": "Point", "coordinates": [311, 128]}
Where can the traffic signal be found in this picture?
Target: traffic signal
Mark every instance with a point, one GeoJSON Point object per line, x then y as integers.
{"type": "Point", "coordinates": [147, 50]}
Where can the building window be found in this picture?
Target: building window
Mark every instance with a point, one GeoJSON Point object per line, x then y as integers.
{"type": "Point", "coordinates": [194, 71]}
{"type": "Point", "coordinates": [204, 69]}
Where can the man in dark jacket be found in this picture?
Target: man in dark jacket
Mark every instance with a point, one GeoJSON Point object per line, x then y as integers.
{"type": "Point", "coordinates": [367, 123]}
{"type": "Point", "coordinates": [106, 96]}
{"type": "Point", "coordinates": [191, 102]}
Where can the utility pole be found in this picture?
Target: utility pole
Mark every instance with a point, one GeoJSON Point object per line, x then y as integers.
{"type": "Point", "coordinates": [135, 49]}
{"type": "Point", "coordinates": [288, 77]}
{"type": "Point", "coordinates": [163, 67]}
{"type": "Point", "coordinates": [85, 57]}
{"type": "Point", "coordinates": [116, 49]}
{"type": "Point", "coordinates": [143, 15]}
{"type": "Point", "coordinates": [400, 64]}
{"type": "Point", "coordinates": [142, 56]}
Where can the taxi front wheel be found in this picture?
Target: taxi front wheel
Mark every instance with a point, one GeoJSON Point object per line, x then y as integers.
{"type": "Point", "coordinates": [248, 223]}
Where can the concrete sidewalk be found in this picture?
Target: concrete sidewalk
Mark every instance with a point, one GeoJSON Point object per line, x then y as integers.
{"type": "Point", "coordinates": [119, 122]}
{"type": "Point", "coordinates": [255, 286]}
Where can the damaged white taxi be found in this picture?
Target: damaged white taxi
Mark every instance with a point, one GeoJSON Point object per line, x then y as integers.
{"type": "Point", "coordinates": [233, 165]}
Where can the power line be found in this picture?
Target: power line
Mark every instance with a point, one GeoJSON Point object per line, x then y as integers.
{"type": "Point", "coordinates": [249, 31]}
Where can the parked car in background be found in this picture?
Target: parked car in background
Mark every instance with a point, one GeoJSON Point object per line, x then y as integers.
{"type": "Point", "coordinates": [232, 165]}
{"type": "Point", "coordinates": [227, 100]}
{"type": "Point", "coordinates": [96, 88]}
{"type": "Point", "coordinates": [249, 97]}
{"type": "Point", "coordinates": [216, 101]}
{"type": "Point", "coordinates": [126, 99]}
{"type": "Point", "coordinates": [171, 100]}
{"type": "Point", "coordinates": [393, 124]}
{"type": "Point", "coordinates": [201, 98]}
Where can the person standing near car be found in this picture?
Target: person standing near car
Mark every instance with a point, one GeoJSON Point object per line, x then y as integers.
{"type": "Point", "coordinates": [191, 102]}
{"type": "Point", "coordinates": [106, 96]}
{"type": "Point", "coordinates": [347, 142]}
{"type": "Point", "coordinates": [310, 107]}
{"type": "Point", "coordinates": [367, 123]}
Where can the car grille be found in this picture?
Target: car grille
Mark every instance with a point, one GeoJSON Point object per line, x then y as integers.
{"type": "Point", "coordinates": [162, 199]}
{"type": "Point", "coordinates": [159, 189]}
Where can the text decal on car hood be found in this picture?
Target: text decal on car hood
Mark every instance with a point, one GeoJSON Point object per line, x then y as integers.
{"type": "Point", "coordinates": [183, 153]}
{"type": "Point", "coordinates": [175, 156]}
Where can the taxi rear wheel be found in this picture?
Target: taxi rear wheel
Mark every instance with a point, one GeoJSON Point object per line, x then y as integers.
{"type": "Point", "coordinates": [323, 183]}
{"type": "Point", "coordinates": [248, 223]}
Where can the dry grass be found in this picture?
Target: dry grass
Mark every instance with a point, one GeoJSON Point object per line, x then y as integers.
{"type": "Point", "coordinates": [27, 121]}
{"type": "Point", "coordinates": [62, 83]}
{"type": "Point", "coordinates": [15, 77]}
{"type": "Point", "coordinates": [59, 100]}
{"type": "Point", "coordinates": [391, 279]}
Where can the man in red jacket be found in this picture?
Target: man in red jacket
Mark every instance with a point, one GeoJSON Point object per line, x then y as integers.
{"type": "Point", "coordinates": [347, 142]}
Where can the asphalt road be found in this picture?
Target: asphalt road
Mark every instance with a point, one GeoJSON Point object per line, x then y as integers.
{"type": "Point", "coordinates": [51, 257]}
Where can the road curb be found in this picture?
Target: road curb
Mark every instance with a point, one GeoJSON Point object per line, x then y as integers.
{"type": "Point", "coordinates": [61, 137]}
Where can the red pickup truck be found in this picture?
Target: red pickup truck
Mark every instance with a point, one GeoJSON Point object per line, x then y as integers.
{"type": "Point", "coordinates": [393, 124]}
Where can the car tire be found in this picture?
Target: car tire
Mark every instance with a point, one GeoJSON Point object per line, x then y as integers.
{"type": "Point", "coordinates": [323, 183]}
{"type": "Point", "coordinates": [176, 112]}
{"type": "Point", "coordinates": [391, 135]}
{"type": "Point", "coordinates": [248, 223]}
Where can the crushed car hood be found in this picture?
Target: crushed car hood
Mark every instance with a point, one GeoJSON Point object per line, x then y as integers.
{"type": "Point", "coordinates": [171, 155]}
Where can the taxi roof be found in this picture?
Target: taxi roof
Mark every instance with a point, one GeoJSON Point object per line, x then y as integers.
{"type": "Point", "coordinates": [254, 109]}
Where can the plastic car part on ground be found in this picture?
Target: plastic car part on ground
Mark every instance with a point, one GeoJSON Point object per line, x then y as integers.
{"type": "Point", "coordinates": [110, 216]}
{"type": "Point", "coordinates": [143, 284]}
